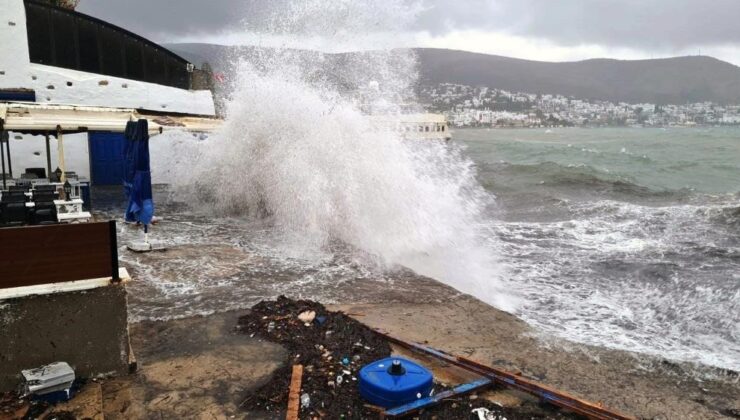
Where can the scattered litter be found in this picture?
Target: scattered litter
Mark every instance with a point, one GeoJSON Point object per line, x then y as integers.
{"type": "Point", "coordinates": [305, 400]}
{"type": "Point", "coordinates": [54, 377]}
{"type": "Point", "coordinates": [486, 414]}
{"type": "Point", "coordinates": [307, 316]}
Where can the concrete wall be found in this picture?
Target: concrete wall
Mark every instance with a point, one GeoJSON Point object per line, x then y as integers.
{"type": "Point", "coordinates": [52, 84]}
{"type": "Point", "coordinates": [88, 330]}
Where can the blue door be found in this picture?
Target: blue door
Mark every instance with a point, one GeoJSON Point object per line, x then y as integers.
{"type": "Point", "coordinates": [106, 157]}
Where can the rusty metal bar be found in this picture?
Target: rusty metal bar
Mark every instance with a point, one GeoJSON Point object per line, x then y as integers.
{"type": "Point", "coordinates": [546, 393]}
{"type": "Point", "coordinates": [458, 391]}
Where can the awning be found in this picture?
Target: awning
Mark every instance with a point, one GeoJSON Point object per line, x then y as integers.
{"type": "Point", "coordinates": [29, 118]}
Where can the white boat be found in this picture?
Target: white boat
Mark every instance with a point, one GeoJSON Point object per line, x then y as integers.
{"type": "Point", "coordinates": [419, 126]}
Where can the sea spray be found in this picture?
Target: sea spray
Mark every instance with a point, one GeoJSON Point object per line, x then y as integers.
{"type": "Point", "coordinates": [299, 149]}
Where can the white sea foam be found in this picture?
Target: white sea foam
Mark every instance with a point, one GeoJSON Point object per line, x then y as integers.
{"type": "Point", "coordinates": [297, 150]}
{"type": "Point", "coordinates": [611, 277]}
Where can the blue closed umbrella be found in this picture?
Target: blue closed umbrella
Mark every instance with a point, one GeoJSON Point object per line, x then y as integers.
{"type": "Point", "coordinates": [129, 169]}
{"type": "Point", "coordinates": [137, 174]}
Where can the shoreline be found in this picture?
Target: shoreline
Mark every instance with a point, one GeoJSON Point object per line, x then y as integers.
{"type": "Point", "coordinates": [637, 384]}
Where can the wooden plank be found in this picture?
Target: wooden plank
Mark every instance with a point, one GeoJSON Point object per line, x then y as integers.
{"type": "Point", "coordinates": [33, 255]}
{"type": "Point", "coordinates": [294, 396]}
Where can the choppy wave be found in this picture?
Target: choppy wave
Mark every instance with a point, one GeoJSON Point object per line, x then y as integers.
{"type": "Point", "coordinates": [574, 176]}
{"type": "Point", "coordinates": [302, 153]}
{"type": "Point", "coordinates": [660, 280]}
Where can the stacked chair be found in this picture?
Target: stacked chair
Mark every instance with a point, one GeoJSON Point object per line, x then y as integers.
{"type": "Point", "coordinates": [13, 210]}
{"type": "Point", "coordinates": [45, 211]}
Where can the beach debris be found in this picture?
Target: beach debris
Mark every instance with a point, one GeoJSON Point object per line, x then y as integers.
{"type": "Point", "coordinates": [485, 414]}
{"type": "Point", "coordinates": [307, 316]}
{"type": "Point", "coordinates": [331, 365]}
{"type": "Point", "coordinates": [293, 394]}
{"type": "Point", "coordinates": [394, 381]}
{"type": "Point", "coordinates": [305, 400]}
{"type": "Point", "coordinates": [52, 378]}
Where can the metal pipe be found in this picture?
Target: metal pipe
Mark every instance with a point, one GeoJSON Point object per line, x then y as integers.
{"type": "Point", "coordinates": [2, 156]}
{"type": "Point", "coordinates": [60, 154]}
{"type": "Point", "coordinates": [546, 393]}
{"type": "Point", "coordinates": [420, 404]}
{"type": "Point", "coordinates": [48, 156]}
{"type": "Point", "coordinates": [7, 148]}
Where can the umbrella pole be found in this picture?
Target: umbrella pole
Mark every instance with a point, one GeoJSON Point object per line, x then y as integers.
{"type": "Point", "coordinates": [60, 150]}
{"type": "Point", "coordinates": [2, 154]}
{"type": "Point", "coordinates": [7, 152]}
{"type": "Point", "coordinates": [48, 156]}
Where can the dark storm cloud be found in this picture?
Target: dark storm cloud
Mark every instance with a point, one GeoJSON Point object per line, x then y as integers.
{"type": "Point", "coordinates": [642, 24]}
{"type": "Point", "coordinates": [170, 19]}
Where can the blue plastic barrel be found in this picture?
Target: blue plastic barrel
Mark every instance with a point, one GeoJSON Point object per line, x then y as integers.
{"type": "Point", "coordinates": [394, 381]}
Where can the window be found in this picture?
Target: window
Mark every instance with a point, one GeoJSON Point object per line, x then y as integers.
{"type": "Point", "coordinates": [39, 34]}
{"type": "Point", "coordinates": [112, 54]}
{"type": "Point", "coordinates": [65, 43]}
{"type": "Point", "coordinates": [134, 59]}
{"type": "Point", "coordinates": [88, 42]}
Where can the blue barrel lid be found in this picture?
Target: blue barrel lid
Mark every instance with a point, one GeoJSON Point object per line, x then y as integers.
{"type": "Point", "coordinates": [394, 381]}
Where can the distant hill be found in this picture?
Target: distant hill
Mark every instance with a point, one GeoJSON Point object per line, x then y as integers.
{"type": "Point", "coordinates": [663, 81]}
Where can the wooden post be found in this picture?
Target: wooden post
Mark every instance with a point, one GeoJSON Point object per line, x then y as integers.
{"type": "Point", "coordinates": [60, 153]}
{"type": "Point", "coordinates": [294, 396]}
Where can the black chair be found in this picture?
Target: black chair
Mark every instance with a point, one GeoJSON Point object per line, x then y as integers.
{"type": "Point", "coordinates": [44, 188]}
{"type": "Point", "coordinates": [13, 197]}
{"type": "Point", "coordinates": [45, 215]}
{"type": "Point", "coordinates": [40, 172]}
{"type": "Point", "coordinates": [23, 188]}
{"type": "Point", "coordinates": [44, 211]}
{"type": "Point", "coordinates": [45, 196]}
{"type": "Point", "coordinates": [14, 214]}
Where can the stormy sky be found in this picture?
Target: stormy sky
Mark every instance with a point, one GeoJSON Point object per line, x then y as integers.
{"type": "Point", "coordinates": [554, 30]}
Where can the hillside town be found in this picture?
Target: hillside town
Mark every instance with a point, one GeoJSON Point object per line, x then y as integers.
{"type": "Point", "coordinates": [469, 106]}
